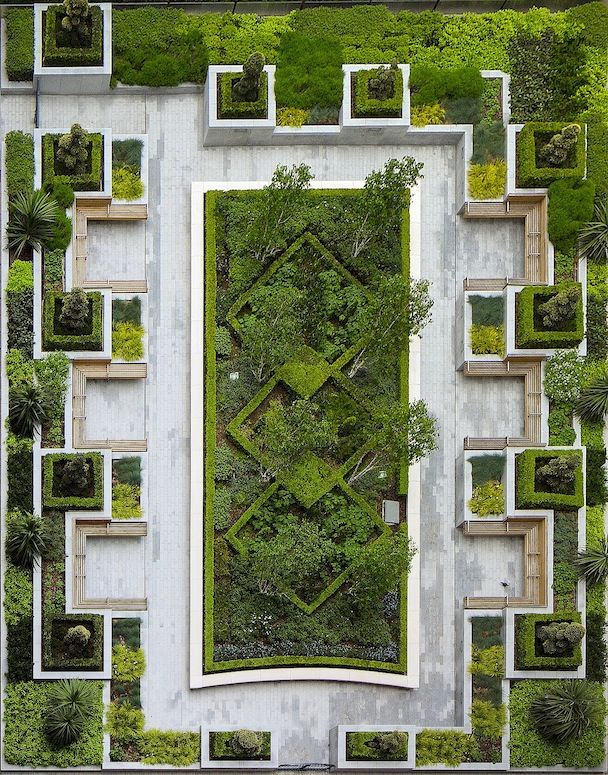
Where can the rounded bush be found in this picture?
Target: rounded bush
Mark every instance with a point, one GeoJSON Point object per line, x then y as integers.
{"type": "Point", "coordinates": [76, 639]}
{"type": "Point", "coordinates": [246, 742]}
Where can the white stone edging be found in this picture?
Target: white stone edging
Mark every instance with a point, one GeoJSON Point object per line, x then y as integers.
{"type": "Point", "coordinates": [348, 120]}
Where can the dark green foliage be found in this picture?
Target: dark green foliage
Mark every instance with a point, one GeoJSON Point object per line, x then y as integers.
{"type": "Point", "coordinates": [126, 310]}
{"type": "Point", "coordinates": [70, 494]}
{"type": "Point", "coordinates": [53, 269]}
{"type": "Point", "coordinates": [228, 107]}
{"type": "Point", "coordinates": [570, 206]}
{"type": "Point", "coordinates": [487, 468]}
{"type": "Point", "coordinates": [83, 50]}
{"type": "Point", "coordinates": [488, 142]}
{"type": "Point", "coordinates": [61, 191]}
{"type": "Point", "coordinates": [567, 711]}
{"type": "Point", "coordinates": [596, 477]}
{"type": "Point", "coordinates": [32, 217]}
{"type": "Point", "coordinates": [592, 403]}
{"type": "Point", "coordinates": [309, 72]}
{"type": "Point", "coordinates": [531, 330]}
{"type": "Point", "coordinates": [597, 658]}
{"type": "Point", "coordinates": [76, 156]}
{"type": "Point", "coordinates": [529, 651]}
{"type": "Point", "coordinates": [19, 158]}
{"type": "Point", "coordinates": [545, 75]}
{"type": "Point", "coordinates": [57, 336]}
{"type": "Point", "coordinates": [487, 310]}
{"type": "Point", "coordinates": [560, 308]}
{"type": "Point", "coordinates": [20, 474]}
{"type": "Point", "coordinates": [597, 328]}
{"type": "Point", "coordinates": [561, 432]}
{"type": "Point", "coordinates": [62, 233]}
{"type": "Point", "coordinates": [154, 47]}
{"type": "Point", "coordinates": [74, 310]}
{"type": "Point", "coordinates": [64, 652]}
{"type": "Point", "coordinates": [20, 314]}
{"type": "Point", "coordinates": [127, 153]}
{"type": "Point", "coordinates": [594, 18]}
{"type": "Point", "coordinates": [226, 745]}
{"type": "Point", "coordinates": [70, 702]}
{"type": "Point", "coordinates": [366, 105]}
{"type": "Point", "coordinates": [592, 563]}
{"type": "Point", "coordinates": [26, 540]}
{"type": "Point", "coordinates": [464, 110]}
{"type": "Point", "coordinates": [430, 84]}
{"type": "Point", "coordinates": [597, 150]}
{"type": "Point", "coordinates": [560, 638]}
{"type": "Point", "coordinates": [530, 492]}
{"type": "Point", "coordinates": [75, 476]}
{"type": "Point", "coordinates": [19, 44]}
{"type": "Point", "coordinates": [530, 170]}
{"type": "Point", "coordinates": [593, 235]}
{"type": "Point", "coordinates": [247, 87]}
{"type": "Point", "coordinates": [557, 474]}
{"type": "Point", "coordinates": [20, 650]}
{"type": "Point", "coordinates": [28, 409]}
{"type": "Point", "coordinates": [376, 746]}
{"type": "Point", "coordinates": [127, 470]}
{"type": "Point", "coordinates": [557, 149]}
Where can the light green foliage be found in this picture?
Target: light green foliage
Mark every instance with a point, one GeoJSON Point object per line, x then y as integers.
{"type": "Point", "coordinates": [425, 115]}
{"type": "Point", "coordinates": [127, 341]}
{"type": "Point", "coordinates": [125, 501]}
{"type": "Point", "coordinates": [18, 593]}
{"type": "Point", "coordinates": [488, 720]}
{"type": "Point", "coordinates": [223, 341]}
{"type": "Point", "coordinates": [53, 269]}
{"type": "Point", "coordinates": [488, 499]}
{"type": "Point", "coordinates": [489, 661]}
{"type": "Point", "coordinates": [20, 277]}
{"type": "Point", "coordinates": [487, 340]}
{"type": "Point", "coordinates": [436, 746]}
{"type": "Point", "coordinates": [179, 749]}
{"type": "Point", "coordinates": [126, 184]}
{"type": "Point", "coordinates": [291, 116]}
{"type": "Point", "coordinates": [487, 181]}
{"type": "Point", "coordinates": [563, 376]}
{"type": "Point", "coordinates": [124, 722]}
{"type": "Point", "coordinates": [52, 374]}
{"type": "Point", "coordinates": [25, 742]}
{"type": "Point", "coordinates": [127, 664]}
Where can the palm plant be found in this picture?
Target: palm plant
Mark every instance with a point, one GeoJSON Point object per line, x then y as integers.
{"type": "Point", "coordinates": [25, 540]}
{"type": "Point", "coordinates": [70, 703]}
{"type": "Point", "coordinates": [33, 215]}
{"type": "Point", "coordinates": [28, 408]}
{"type": "Point", "coordinates": [567, 711]}
{"type": "Point", "coordinates": [593, 562]}
{"type": "Point", "coordinates": [592, 403]}
{"type": "Point", "coordinates": [593, 236]}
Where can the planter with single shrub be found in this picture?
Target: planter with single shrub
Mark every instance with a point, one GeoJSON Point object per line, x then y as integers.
{"type": "Point", "coordinates": [548, 641]}
{"type": "Point", "coordinates": [76, 156]}
{"type": "Point", "coordinates": [72, 642]}
{"type": "Point", "coordinates": [372, 747]}
{"type": "Point", "coordinates": [73, 47]}
{"type": "Point", "coordinates": [234, 748]}
{"type": "Point", "coordinates": [73, 321]}
{"type": "Point", "coordinates": [548, 151]}
{"type": "Point", "coordinates": [73, 480]}
{"type": "Point", "coordinates": [549, 317]}
{"type": "Point", "coordinates": [549, 479]}
{"type": "Point", "coordinates": [375, 95]}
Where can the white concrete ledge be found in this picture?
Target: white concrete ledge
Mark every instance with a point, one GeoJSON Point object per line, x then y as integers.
{"type": "Point", "coordinates": [207, 763]}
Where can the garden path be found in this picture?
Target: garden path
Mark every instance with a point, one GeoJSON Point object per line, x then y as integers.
{"type": "Point", "coordinates": [451, 249]}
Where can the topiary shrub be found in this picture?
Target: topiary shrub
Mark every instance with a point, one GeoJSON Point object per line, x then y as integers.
{"type": "Point", "coordinates": [559, 308]}
{"type": "Point", "coordinates": [73, 149]}
{"type": "Point", "coordinates": [388, 743]}
{"type": "Point", "coordinates": [247, 87]}
{"type": "Point", "coordinates": [74, 310]}
{"type": "Point", "coordinates": [76, 638]}
{"type": "Point", "coordinates": [556, 151]}
{"type": "Point", "coordinates": [75, 476]}
{"type": "Point", "coordinates": [247, 743]}
{"type": "Point", "coordinates": [559, 638]}
{"type": "Point", "coordinates": [557, 475]}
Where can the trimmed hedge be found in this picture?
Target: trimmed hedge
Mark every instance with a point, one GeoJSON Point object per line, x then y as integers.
{"type": "Point", "coordinates": [25, 742]}
{"type": "Point", "coordinates": [19, 161]}
{"type": "Point", "coordinates": [20, 650]}
{"type": "Point", "coordinates": [529, 749]}
{"type": "Point", "coordinates": [20, 318]}
{"type": "Point", "coordinates": [19, 44]}
{"type": "Point", "coordinates": [528, 497]}
{"type": "Point", "coordinates": [445, 746]}
{"type": "Point", "coordinates": [51, 340]}
{"type": "Point", "coordinates": [94, 501]}
{"type": "Point", "coordinates": [365, 106]}
{"type": "Point", "coordinates": [529, 175]}
{"type": "Point", "coordinates": [91, 181]}
{"type": "Point", "coordinates": [526, 657]}
{"type": "Point", "coordinates": [230, 108]}
{"type": "Point", "coordinates": [595, 479]}
{"type": "Point", "coordinates": [20, 471]}
{"type": "Point", "coordinates": [528, 336]}
{"type": "Point", "coordinates": [220, 747]}
{"type": "Point", "coordinates": [55, 55]}
{"type": "Point", "coordinates": [358, 750]}
{"type": "Point", "coordinates": [570, 206]}
{"type": "Point", "coordinates": [94, 661]}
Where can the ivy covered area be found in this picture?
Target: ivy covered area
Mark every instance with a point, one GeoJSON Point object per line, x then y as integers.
{"type": "Point", "coordinates": [309, 310]}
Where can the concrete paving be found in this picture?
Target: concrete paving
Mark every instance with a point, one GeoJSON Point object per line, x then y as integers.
{"type": "Point", "coordinates": [451, 250]}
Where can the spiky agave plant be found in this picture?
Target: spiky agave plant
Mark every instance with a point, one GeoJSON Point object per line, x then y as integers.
{"type": "Point", "coordinates": [25, 540]}
{"type": "Point", "coordinates": [593, 236]}
{"type": "Point", "coordinates": [28, 407]}
{"type": "Point", "coordinates": [593, 562]}
{"type": "Point", "coordinates": [70, 702]}
{"type": "Point", "coordinates": [62, 726]}
{"type": "Point", "coordinates": [567, 711]}
{"type": "Point", "coordinates": [592, 403]}
{"type": "Point", "coordinates": [32, 218]}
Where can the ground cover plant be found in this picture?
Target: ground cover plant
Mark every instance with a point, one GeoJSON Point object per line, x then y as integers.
{"type": "Point", "coordinates": [488, 489]}
{"type": "Point", "coordinates": [487, 331]}
{"type": "Point", "coordinates": [306, 386]}
{"type": "Point", "coordinates": [126, 488]}
{"type": "Point", "coordinates": [127, 184]}
{"type": "Point", "coordinates": [376, 746]}
{"type": "Point", "coordinates": [127, 330]}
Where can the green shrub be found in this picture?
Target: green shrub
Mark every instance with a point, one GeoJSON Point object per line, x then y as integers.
{"type": "Point", "coordinates": [426, 115]}
{"type": "Point", "coordinates": [53, 269]}
{"type": "Point", "coordinates": [126, 310]}
{"type": "Point", "coordinates": [309, 72]}
{"type": "Point", "coordinates": [124, 722]}
{"type": "Point", "coordinates": [532, 333]}
{"type": "Point", "coordinates": [53, 497]}
{"type": "Point", "coordinates": [55, 652]}
{"type": "Point", "coordinates": [430, 84]}
{"type": "Point", "coordinates": [529, 654]}
{"type": "Point", "coordinates": [18, 594]}
{"type": "Point", "coordinates": [57, 337]}
{"type": "Point", "coordinates": [127, 341]}
{"type": "Point", "coordinates": [61, 191]}
{"type": "Point", "coordinates": [291, 117]}
{"type": "Point", "coordinates": [485, 468]}
{"type": "Point", "coordinates": [595, 481]}
{"type": "Point", "coordinates": [488, 499]}
{"type": "Point", "coordinates": [372, 746]}
{"type": "Point", "coordinates": [596, 655]}
{"type": "Point", "coordinates": [228, 107]}
{"type": "Point", "coordinates": [488, 143]}
{"type": "Point", "coordinates": [488, 661]}
{"type": "Point", "coordinates": [19, 44]}
{"type": "Point", "coordinates": [79, 181]}
{"type": "Point", "coordinates": [25, 540]}
{"type": "Point", "coordinates": [242, 744]}
{"type": "Point", "coordinates": [58, 55]}
{"type": "Point", "coordinates": [366, 106]}
{"type": "Point", "coordinates": [531, 174]}
{"type": "Point", "coordinates": [487, 720]}
{"type": "Point", "coordinates": [62, 233]}
{"type": "Point", "coordinates": [179, 749]}
{"type": "Point", "coordinates": [20, 277]}
{"type": "Point", "coordinates": [570, 206]}
{"type": "Point", "coordinates": [597, 150]}
{"type": "Point", "coordinates": [19, 154]}
{"type": "Point", "coordinates": [487, 181]}
{"type": "Point", "coordinates": [487, 340]}
{"type": "Point", "coordinates": [563, 376]}
{"type": "Point", "coordinates": [126, 501]}
{"type": "Point", "coordinates": [449, 747]}
{"type": "Point", "coordinates": [126, 184]}
{"type": "Point", "coordinates": [567, 710]}
{"type": "Point", "coordinates": [20, 473]}
{"type": "Point", "coordinates": [20, 650]}
{"type": "Point", "coordinates": [25, 742]}
{"type": "Point", "coordinates": [561, 432]}
{"type": "Point", "coordinates": [127, 664]}
{"type": "Point", "coordinates": [127, 470]}
{"type": "Point", "coordinates": [20, 315]}
{"type": "Point", "coordinates": [486, 310]}
{"type": "Point", "coordinates": [529, 494]}
{"type": "Point", "coordinates": [558, 638]}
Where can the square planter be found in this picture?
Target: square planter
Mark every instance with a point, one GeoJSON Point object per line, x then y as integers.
{"type": "Point", "coordinates": [54, 656]}
{"type": "Point", "coordinates": [528, 497]}
{"type": "Point", "coordinates": [529, 174]}
{"type": "Point", "coordinates": [478, 457]}
{"type": "Point", "coordinates": [214, 741]}
{"type": "Point", "coordinates": [471, 315]}
{"type": "Point", "coordinates": [359, 110]}
{"type": "Point", "coordinates": [526, 657]}
{"type": "Point", "coordinates": [61, 69]}
{"type": "Point", "coordinates": [529, 336]}
{"type": "Point", "coordinates": [339, 748]}
{"type": "Point", "coordinates": [218, 96]}
{"type": "Point", "coordinates": [143, 169]}
{"type": "Point", "coordinates": [50, 470]}
{"type": "Point", "coordinates": [89, 180]}
{"type": "Point", "coordinates": [54, 339]}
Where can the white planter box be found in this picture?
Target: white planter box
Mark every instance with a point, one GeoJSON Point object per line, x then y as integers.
{"type": "Point", "coordinates": [468, 354]}
{"type": "Point", "coordinates": [235, 764]}
{"type": "Point", "coordinates": [467, 485]}
{"type": "Point", "coordinates": [73, 80]}
{"type": "Point", "coordinates": [348, 120]}
{"type": "Point", "coordinates": [143, 199]}
{"type": "Point", "coordinates": [337, 748]}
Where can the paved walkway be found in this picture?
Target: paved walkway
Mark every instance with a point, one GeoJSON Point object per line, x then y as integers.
{"type": "Point", "coordinates": [451, 249]}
